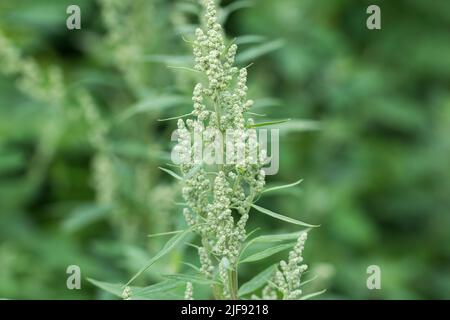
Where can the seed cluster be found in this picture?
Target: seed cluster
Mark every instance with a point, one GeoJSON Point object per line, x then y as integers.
{"type": "Point", "coordinates": [219, 197]}
{"type": "Point", "coordinates": [189, 293]}
{"type": "Point", "coordinates": [288, 275]}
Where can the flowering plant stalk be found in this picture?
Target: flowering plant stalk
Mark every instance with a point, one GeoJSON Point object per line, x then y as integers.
{"type": "Point", "coordinates": [219, 195]}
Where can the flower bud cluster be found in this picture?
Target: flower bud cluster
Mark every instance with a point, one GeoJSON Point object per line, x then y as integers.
{"type": "Point", "coordinates": [219, 197]}
{"type": "Point", "coordinates": [288, 275]}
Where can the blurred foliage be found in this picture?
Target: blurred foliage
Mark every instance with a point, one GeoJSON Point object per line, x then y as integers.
{"type": "Point", "coordinates": [80, 143]}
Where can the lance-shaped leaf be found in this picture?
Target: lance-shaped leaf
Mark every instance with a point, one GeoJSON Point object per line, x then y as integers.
{"type": "Point", "coordinates": [154, 291]}
{"type": "Point", "coordinates": [253, 53]}
{"type": "Point", "coordinates": [167, 59]}
{"type": "Point", "coordinates": [173, 174]}
{"type": "Point", "coordinates": [268, 123]}
{"type": "Point", "coordinates": [164, 233]}
{"type": "Point", "coordinates": [139, 293]}
{"type": "Point", "coordinates": [283, 186]}
{"type": "Point", "coordinates": [248, 39]}
{"type": "Point", "coordinates": [153, 103]}
{"type": "Point", "coordinates": [114, 288]}
{"type": "Point", "coordinates": [298, 125]}
{"type": "Point", "coordinates": [257, 282]}
{"type": "Point", "coordinates": [277, 237]}
{"type": "Point", "coordinates": [312, 295]}
{"type": "Point", "coordinates": [281, 217]}
{"type": "Point", "coordinates": [190, 278]}
{"type": "Point", "coordinates": [267, 252]}
{"type": "Point", "coordinates": [171, 244]}
{"type": "Point", "coordinates": [176, 117]}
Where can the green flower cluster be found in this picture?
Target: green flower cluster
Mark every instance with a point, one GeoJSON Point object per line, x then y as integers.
{"type": "Point", "coordinates": [219, 197]}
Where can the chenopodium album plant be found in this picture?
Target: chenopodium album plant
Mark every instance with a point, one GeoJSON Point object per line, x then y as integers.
{"type": "Point", "coordinates": [218, 196]}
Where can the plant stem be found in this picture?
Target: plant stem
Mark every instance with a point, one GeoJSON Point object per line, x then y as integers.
{"type": "Point", "coordinates": [233, 283]}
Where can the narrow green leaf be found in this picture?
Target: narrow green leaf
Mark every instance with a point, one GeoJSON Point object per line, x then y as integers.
{"type": "Point", "coordinates": [173, 174]}
{"type": "Point", "coordinates": [163, 233]}
{"type": "Point", "coordinates": [177, 117]}
{"type": "Point", "coordinates": [114, 288]}
{"type": "Point", "coordinates": [312, 295]}
{"type": "Point", "coordinates": [257, 282]}
{"type": "Point", "coordinates": [171, 244]}
{"type": "Point", "coordinates": [167, 59]}
{"type": "Point", "coordinates": [184, 68]}
{"type": "Point", "coordinates": [180, 204]}
{"type": "Point", "coordinates": [150, 291]}
{"type": "Point", "coordinates": [283, 186]}
{"type": "Point", "coordinates": [190, 265]}
{"type": "Point", "coordinates": [266, 102]}
{"type": "Point", "coordinates": [155, 291]}
{"type": "Point", "coordinates": [281, 217]}
{"type": "Point", "coordinates": [269, 123]}
{"type": "Point", "coordinates": [255, 52]}
{"type": "Point", "coordinates": [256, 114]}
{"type": "Point", "coordinates": [85, 215]}
{"type": "Point", "coordinates": [248, 39]}
{"type": "Point", "coordinates": [153, 103]}
{"type": "Point", "coordinates": [189, 278]}
{"type": "Point", "coordinates": [272, 238]}
{"type": "Point", "coordinates": [277, 237]}
{"type": "Point", "coordinates": [308, 281]}
{"type": "Point", "coordinates": [267, 252]}
{"type": "Point", "coordinates": [252, 232]}
{"type": "Point", "coordinates": [299, 126]}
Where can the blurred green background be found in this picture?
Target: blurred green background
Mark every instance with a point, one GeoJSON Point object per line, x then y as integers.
{"type": "Point", "coordinates": [80, 143]}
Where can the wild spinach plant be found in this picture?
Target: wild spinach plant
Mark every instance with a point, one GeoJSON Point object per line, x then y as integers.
{"type": "Point", "coordinates": [219, 196]}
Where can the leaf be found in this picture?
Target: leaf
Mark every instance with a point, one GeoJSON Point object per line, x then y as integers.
{"type": "Point", "coordinates": [167, 59]}
{"type": "Point", "coordinates": [269, 123]}
{"type": "Point", "coordinates": [153, 103]}
{"type": "Point", "coordinates": [300, 126]}
{"type": "Point", "coordinates": [257, 282]}
{"type": "Point", "coordinates": [311, 295]}
{"type": "Point", "coordinates": [256, 114]}
{"type": "Point", "coordinates": [115, 289]}
{"type": "Point", "coordinates": [247, 39]}
{"type": "Point", "coordinates": [277, 237]}
{"type": "Point", "coordinates": [163, 233]}
{"type": "Point", "coordinates": [308, 281]}
{"type": "Point", "coordinates": [283, 186]}
{"type": "Point", "coordinates": [266, 102]}
{"type": "Point", "coordinates": [150, 291]}
{"type": "Point", "coordinates": [177, 117]}
{"type": "Point", "coordinates": [189, 278]}
{"type": "Point", "coordinates": [84, 215]}
{"type": "Point", "coordinates": [267, 252]}
{"type": "Point", "coordinates": [252, 232]}
{"type": "Point", "coordinates": [272, 238]}
{"type": "Point", "coordinates": [173, 174]}
{"type": "Point", "coordinates": [171, 244]}
{"type": "Point", "coordinates": [191, 266]}
{"type": "Point", "coordinates": [281, 217]}
{"type": "Point", "coordinates": [139, 292]}
{"type": "Point", "coordinates": [258, 51]}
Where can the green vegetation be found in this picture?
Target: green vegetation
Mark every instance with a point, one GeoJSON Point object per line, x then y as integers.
{"type": "Point", "coordinates": [81, 145]}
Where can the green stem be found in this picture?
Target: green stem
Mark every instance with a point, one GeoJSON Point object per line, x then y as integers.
{"type": "Point", "coordinates": [233, 283]}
